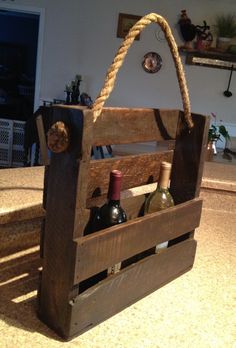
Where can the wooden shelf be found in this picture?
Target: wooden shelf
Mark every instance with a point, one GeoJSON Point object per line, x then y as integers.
{"type": "Point", "coordinates": [211, 58]}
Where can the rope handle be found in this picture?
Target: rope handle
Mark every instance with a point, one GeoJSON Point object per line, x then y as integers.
{"type": "Point", "coordinates": [119, 58]}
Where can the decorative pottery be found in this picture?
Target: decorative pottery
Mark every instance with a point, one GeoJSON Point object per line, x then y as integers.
{"type": "Point", "coordinates": [223, 43]}
{"type": "Point", "coordinates": [211, 150]}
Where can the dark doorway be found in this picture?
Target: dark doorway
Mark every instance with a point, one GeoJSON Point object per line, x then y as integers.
{"type": "Point", "coordinates": [18, 58]}
{"type": "Point", "coordinates": [18, 54]}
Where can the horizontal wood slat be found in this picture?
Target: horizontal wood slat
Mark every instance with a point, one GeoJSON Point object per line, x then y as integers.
{"type": "Point", "coordinates": [136, 170]}
{"type": "Point", "coordinates": [132, 201]}
{"type": "Point", "coordinates": [136, 281]}
{"type": "Point", "coordinates": [133, 206]}
{"type": "Point", "coordinates": [100, 250]}
{"type": "Point", "coordinates": [125, 125]}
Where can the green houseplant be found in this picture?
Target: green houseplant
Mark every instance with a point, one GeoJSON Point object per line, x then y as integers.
{"type": "Point", "coordinates": [215, 131]}
{"type": "Point", "coordinates": [225, 28]}
{"type": "Point", "coordinates": [214, 134]}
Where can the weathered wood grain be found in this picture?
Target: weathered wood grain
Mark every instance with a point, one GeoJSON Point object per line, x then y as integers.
{"type": "Point", "coordinates": [133, 206]}
{"type": "Point", "coordinates": [132, 201]}
{"type": "Point", "coordinates": [119, 291]}
{"type": "Point", "coordinates": [100, 250]}
{"type": "Point", "coordinates": [125, 125]}
{"type": "Point", "coordinates": [189, 158]}
{"type": "Point", "coordinates": [42, 140]}
{"type": "Point", "coordinates": [57, 275]}
{"type": "Point", "coordinates": [136, 170]}
{"type": "Point", "coordinates": [81, 213]}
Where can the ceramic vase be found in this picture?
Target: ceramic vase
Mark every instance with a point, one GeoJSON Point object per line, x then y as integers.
{"type": "Point", "coordinates": [211, 150]}
{"type": "Point", "coordinates": [223, 43]}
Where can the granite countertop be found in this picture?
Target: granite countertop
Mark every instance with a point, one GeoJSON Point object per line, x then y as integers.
{"type": "Point", "coordinates": [219, 176]}
{"type": "Point", "coordinates": [21, 192]}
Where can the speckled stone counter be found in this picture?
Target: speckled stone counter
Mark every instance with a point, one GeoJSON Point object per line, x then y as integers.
{"type": "Point", "coordinates": [21, 191]}
{"type": "Point", "coordinates": [218, 188]}
{"type": "Point", "coordinates": [21, 210]}
{"type": "Point", "coordinates": [219, 176]}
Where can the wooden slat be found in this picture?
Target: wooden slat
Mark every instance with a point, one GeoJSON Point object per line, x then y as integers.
{"type": "Point", "coordinates": [102, 249]}
{"type": "Point", "coordinates": [119, 291]}
{"type": "Point", "coordinates": [42, 140]}
{"type": "Point", "coordinates": [133, 206]}
{"type": "Point", "coordinates": [189, 158]}
{"type": "Point", "coordinates": [59, 227]}
{"type": "Point", "coordinates": [45, 186]}
{"type": "Point", "coordinates": [82, 214]}
{"type": "Point", "coordinates": [124, 125]}
{"type": "Point", "coordinates": [136, 170]}
{"type": "Point", "coordinates": [132, 201]}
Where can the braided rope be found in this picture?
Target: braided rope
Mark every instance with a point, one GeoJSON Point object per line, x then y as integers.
{"type": "Point", "coordinates": [119, 58]}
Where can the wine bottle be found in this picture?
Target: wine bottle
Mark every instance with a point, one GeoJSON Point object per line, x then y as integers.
{"type": "Point", "coordinates": [111, 213]}
{"type": "Point", "coordinates": [160, 198]}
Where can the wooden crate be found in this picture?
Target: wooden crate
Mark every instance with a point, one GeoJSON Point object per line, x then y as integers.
{"type": "Point", "coordinates": [76, 184]}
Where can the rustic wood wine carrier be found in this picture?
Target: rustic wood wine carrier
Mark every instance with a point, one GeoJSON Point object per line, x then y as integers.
{"type": "Point", "coordinates": [76, 183]}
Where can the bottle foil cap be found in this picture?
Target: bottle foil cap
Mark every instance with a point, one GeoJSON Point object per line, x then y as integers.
{"type": "Point", "coordinates": [166, 165]}
{"type": "Point", "coordinates": [116, 173]}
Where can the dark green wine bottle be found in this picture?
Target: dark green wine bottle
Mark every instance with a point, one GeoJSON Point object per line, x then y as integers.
{"type": "Point", "coordinates": [111, 213]}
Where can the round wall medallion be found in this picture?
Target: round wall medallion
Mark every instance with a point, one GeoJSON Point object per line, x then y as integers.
{"type": "Point", "coordinates": [152, 62]}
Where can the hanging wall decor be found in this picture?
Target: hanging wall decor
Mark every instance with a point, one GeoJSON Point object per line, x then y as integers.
{"type": "Point", "coordinates": [125, 22]}
{"type": "Point", "coordinates": [152, 62]}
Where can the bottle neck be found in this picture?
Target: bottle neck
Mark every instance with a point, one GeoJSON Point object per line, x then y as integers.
{"type": "Point", "coordinates": [114, 203]}
{"type": "Point", "coordinates": [114, 187]}
{"type": "Point", "coordinates": [164, 177]}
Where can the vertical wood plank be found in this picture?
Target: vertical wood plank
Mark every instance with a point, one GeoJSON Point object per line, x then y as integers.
{"type": "Point", "coordinates": [42, 140]}
{"type": "Point", "coordinates": [58, 261]}
{"type": "Point", "coordinates": [188, 159]}
{"type": "Point", "coordinates": [45, 188]}
{"type": "Point", "coordinates": [82, 214]}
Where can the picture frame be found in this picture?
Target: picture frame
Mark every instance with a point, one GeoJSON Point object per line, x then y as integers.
{"type": "Point", "coordinates": [125, 22]}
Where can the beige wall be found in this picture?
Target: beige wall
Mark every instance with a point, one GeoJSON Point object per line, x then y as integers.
{"type": "Point", "coordinates": [98, 21]}
{"type": "Point", "coordinates": [80, 37]}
